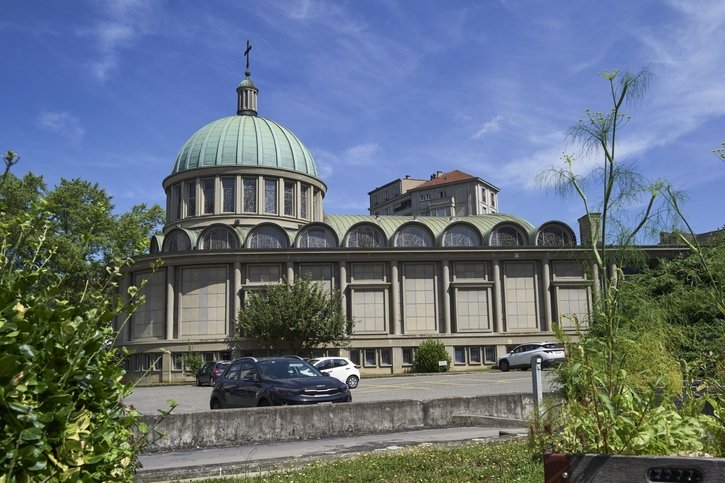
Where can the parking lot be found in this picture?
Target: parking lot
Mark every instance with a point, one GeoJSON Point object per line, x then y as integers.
{"type": "Point", "coordinates": [422, 387]}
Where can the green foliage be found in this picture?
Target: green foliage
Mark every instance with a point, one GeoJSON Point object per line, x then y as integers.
{"type": "Point", "coordinates": [294, 317]}
{"type": "Point", "coordinates": [621, 380]}
{"type": "Point", "coordinates": [428, 354]}
{"type": "Point", "coordinates": [192, 362]}
{"type": "Point", "coordinates": [80, 226]}
{"type": "Point", "coordinates": [60, 380]}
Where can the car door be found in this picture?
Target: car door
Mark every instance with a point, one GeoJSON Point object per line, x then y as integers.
{"type": "Point", "coordinates": [518, 356]}
{"type": "Point", "coordinates": [248, 385]}
{"type": "Point", "coordinates": [340, 369]}
{"type": "Point", "coordinates": [230, 385]}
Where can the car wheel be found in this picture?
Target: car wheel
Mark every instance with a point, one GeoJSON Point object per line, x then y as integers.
{"type": "Point", "coordinates": [504, 365]}
{"type": "Point", "coordinates": [352, 382]}
{"type": "Point", "coordinates": [215, 404]}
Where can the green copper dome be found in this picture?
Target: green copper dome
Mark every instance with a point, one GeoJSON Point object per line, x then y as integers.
{"type": "Point", "coordinates": [245, 140]}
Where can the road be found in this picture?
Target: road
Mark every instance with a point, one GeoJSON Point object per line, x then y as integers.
{"type": "Point", "coordinates": [424, 387]}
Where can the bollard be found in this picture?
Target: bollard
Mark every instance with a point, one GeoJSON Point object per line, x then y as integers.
{"type": "Point", "coordinates": [537, 386]}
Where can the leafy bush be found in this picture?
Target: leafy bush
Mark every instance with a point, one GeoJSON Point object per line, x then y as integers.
{"type": "Point", "coordinates": [62, 415]}
{"type": "Point", "coordinates": [427, 355]}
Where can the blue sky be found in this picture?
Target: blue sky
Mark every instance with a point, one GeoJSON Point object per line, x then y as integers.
{"type": "Point", "coordinates": [109, 91]}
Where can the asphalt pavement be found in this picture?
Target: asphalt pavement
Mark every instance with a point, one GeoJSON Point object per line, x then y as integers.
{"type": "Point", "coordinates": [251, 460]}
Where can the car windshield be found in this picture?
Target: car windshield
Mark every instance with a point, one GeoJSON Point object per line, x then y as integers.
{"type": "Point", "coordinates": [287, 369]}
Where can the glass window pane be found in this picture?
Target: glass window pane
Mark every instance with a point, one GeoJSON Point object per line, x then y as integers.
{"type": "Point", "coordinates": [250, 195]}
{"type": "Point", "coordinates": [303, 201]}
{"type": "Point", "coordinates": [207, 186]}
{"type": "Point", "coordinates": [228, 195]}
{"type": "Point", "coordinates": [289, 198]}
{"type": "Point", "coordinates": [270, 196]}
{"type": "Point", "coordinates": [191, 198]}
{"type": "Point", "coordinates": [370, 359]}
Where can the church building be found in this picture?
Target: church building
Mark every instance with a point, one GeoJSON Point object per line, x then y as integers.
{"type": "Point", "coordinates": [244, 209]}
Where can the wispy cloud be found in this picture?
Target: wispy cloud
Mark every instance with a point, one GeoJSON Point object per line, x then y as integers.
{"type": "Point", "coordinates": [489, 127]}
{"type": "Point", "coordinates": [64, 124]}
{"type": "Point", "coordinates": [123, 22]}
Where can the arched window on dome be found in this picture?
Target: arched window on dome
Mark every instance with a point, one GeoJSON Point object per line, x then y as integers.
{"type": "Point", "coordinates": [176, 241]}
{"type": "Point", "coordinates": [316, 237]}
{"type": "Point", "coordinates": [218, 238]}
{"type": "Point", "coordinates": [555, 235]}
{"type": "Point", "coordinates": [267, 236]}
{"type": "Point", "coordinates": [461, 236]}
{"type": "Point", "coordinates": [154, 245]}
{"type": "Point", "coordinates": [507, 236]}
{"type": "Point", "coordinates": [365, 236]}
{"type": "Point", "coordinates": [413, 236]}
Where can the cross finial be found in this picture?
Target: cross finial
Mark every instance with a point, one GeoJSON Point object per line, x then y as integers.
{"type": "Point", "coordinates": [247, 54]}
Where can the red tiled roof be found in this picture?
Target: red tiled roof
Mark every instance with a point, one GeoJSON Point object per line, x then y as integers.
{"type": "Point", "coordinates": [454, 176]}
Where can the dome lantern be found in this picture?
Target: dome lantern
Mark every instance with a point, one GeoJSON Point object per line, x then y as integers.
{"type": "Point", "coordinates": [246, 91]}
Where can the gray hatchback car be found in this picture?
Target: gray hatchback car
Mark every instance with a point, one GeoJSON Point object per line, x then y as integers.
{"type": "Point", "coordinates": [520, 358]}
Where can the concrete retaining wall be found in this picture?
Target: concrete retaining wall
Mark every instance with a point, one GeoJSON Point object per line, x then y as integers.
{"type": "Point", "coordinates": [269, 424]}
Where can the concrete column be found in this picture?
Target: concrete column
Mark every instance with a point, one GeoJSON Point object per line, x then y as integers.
{"type": "Point", "coordinates": [290, 272]}
{"type": "Point", "coordinates": [547, 294]}
{"type": "Point", "coordinates": [446, 297]}
{"type": "Point", "coordinates": [170, 276]}
{"type": "Point", "coordinates": [124, 325]}
{"type": "Point", "coordinates": [343, 287]}
{"type": "Point", "coordinates": [497, 297]}
{"type": "Point", "coordinates": [395, 296]}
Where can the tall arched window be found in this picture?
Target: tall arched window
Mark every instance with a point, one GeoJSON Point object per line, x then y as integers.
{"type": "Point", "coordinates": [413, 236]}
{"type": "Point", "coordinates": [507, 236]}
{"type": "Point", "coordinates": [316, 237]}
{"type": "Point", "coordinates": [365, 236]}
{"type": "Point", "coordinates": [176, 241]}
{"type": "Point", "coordinates": [267, 236]}
{"type": "Point", "coordinates": [555, 235]}
{"type": "Point", "coordinates": [461, 236]}
{"type": "Point", "coordinates": [218, 238]}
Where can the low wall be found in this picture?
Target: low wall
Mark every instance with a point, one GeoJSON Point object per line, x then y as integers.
{"type": "Point", "coordinates": [230, 427]}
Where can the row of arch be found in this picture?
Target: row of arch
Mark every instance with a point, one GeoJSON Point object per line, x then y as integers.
{"type": "Point", "coordinates": [362, 235]}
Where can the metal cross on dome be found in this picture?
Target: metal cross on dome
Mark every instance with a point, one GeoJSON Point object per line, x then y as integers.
{"type": "Point", "coordinates": [247, 53]}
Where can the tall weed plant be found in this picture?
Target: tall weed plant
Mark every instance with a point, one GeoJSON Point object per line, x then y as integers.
{"type": "Point", "coordinates": [621, 386]}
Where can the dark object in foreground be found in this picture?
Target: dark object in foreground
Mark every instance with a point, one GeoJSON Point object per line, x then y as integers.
{"type": "Point", "coordinates": [275, 381]}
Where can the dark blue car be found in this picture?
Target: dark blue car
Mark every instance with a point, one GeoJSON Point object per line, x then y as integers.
{"type": "Point", "coordinates": [275, 381]}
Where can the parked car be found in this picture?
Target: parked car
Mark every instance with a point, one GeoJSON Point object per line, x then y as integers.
{"type": "Point", "coordinates": [210, 371]}
{"type": "Point", "coordinates": [274, 381]}
{"type": "Point", "coordinates": [341, 368]}
{"type": "Point", "coordinates": [520, 358]}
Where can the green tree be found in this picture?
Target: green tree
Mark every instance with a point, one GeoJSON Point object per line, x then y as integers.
{"type": "Point", "coordinates": [80, 225]}
{"type": "Point", "coordinates": [294, 317]}
{"type": "Point", "coordinates": [428, 354]}
{"type": "Point", "coordinates": [62, 416]}
{"type": "Point", "coordinates": [605, 408]}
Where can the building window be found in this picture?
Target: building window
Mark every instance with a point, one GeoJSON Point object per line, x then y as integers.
{"type": "Point", "coordinates": [460, 236]}
{"type": "Point", "coordinates": [355, 356]}
{"type": "Point", "coordinates": [386, 357]}
{"type": "Point", "coordinates": [459, 355]}
{"type": "Point", "coordinates": [177, 241]}
{"type": "Point", "coordinates": [413, 236]}
{"type": "Point", "coordinates": [228, 195]}
{"type": "Point", "coordinates": [408, 353]}
{"type": "Point", "coordinates": [507, 236]}
{"type": "Point", "coordinates": [304, 199]}
{"type": "Point", "coordinates": [177, 201]}
{"type": "Point", "coordinates": [555, 236]}
{"type": "Point", "coordinates": [207, 191]}
{"type": "Point", "coordinates": [270, 196]}
{"type": "Point", "coordinates": [370, 358]}
{"type": "Point", "coordinates": [489, 353]}
{"type": "Point", "coordinates": [267, 237]}
{"type": "Point", "coordinates": [191, 198]}
{"type": "Point", "coordinates": [443, 194]}
{"type": "Point", "coordinates": [218, 238]}
{"type": "Point", "coordinates": [363, 236]}
{"type": "Point", "coordinates": [289, 198]}
{"type": "Point", "coordinates": [474, 355]}
{"type": "Point", "coordinates": [250, 195]}
{"type": "Point", "coordinates": [424, 197]}
{"type": "Point", "coordinates": [177, 361]}
{"type": "Point", "coordinates": [316, 237]}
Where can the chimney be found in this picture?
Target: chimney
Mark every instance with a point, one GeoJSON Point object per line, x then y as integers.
{"type": "Point", "coordinates": [439, 174]}
{"type": "Point", "coordinates": [590, 227]}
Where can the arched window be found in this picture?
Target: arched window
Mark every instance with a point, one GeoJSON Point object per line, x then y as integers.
{"type": "Point", "coordinates": [218, 238]}
{"type": "Point", "coordinates": [316, 237]}
{"type": "Point", "coordinates": [461, 236]}
{"type": "Point", "coordinates": [555, 235]}
{"type": "Point", "coordinates": [413, 236]}
{"type": "Point", "coordinates": [507, 236]}
{"type": "Point", "coordinates": [177, 241]}
{"type": "Point", "coordinates": [267, 236]}
{"type": "Point", "coordinates": [154, 245]}
{"type": "Point", "coordinates": [365, 236]}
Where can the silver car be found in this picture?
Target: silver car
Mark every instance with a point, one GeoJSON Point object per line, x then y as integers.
{"type": "Point", "coordinates": [520, 358]}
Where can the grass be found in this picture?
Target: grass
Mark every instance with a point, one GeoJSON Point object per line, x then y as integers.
{"type": "Point", "coordinates": [508, 461]}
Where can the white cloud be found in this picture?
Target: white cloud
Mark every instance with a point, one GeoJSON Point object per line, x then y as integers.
{"type": "Point", "coordinates": [492, 125]}
{"type": "Point", "coordinates": [64, 124]}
